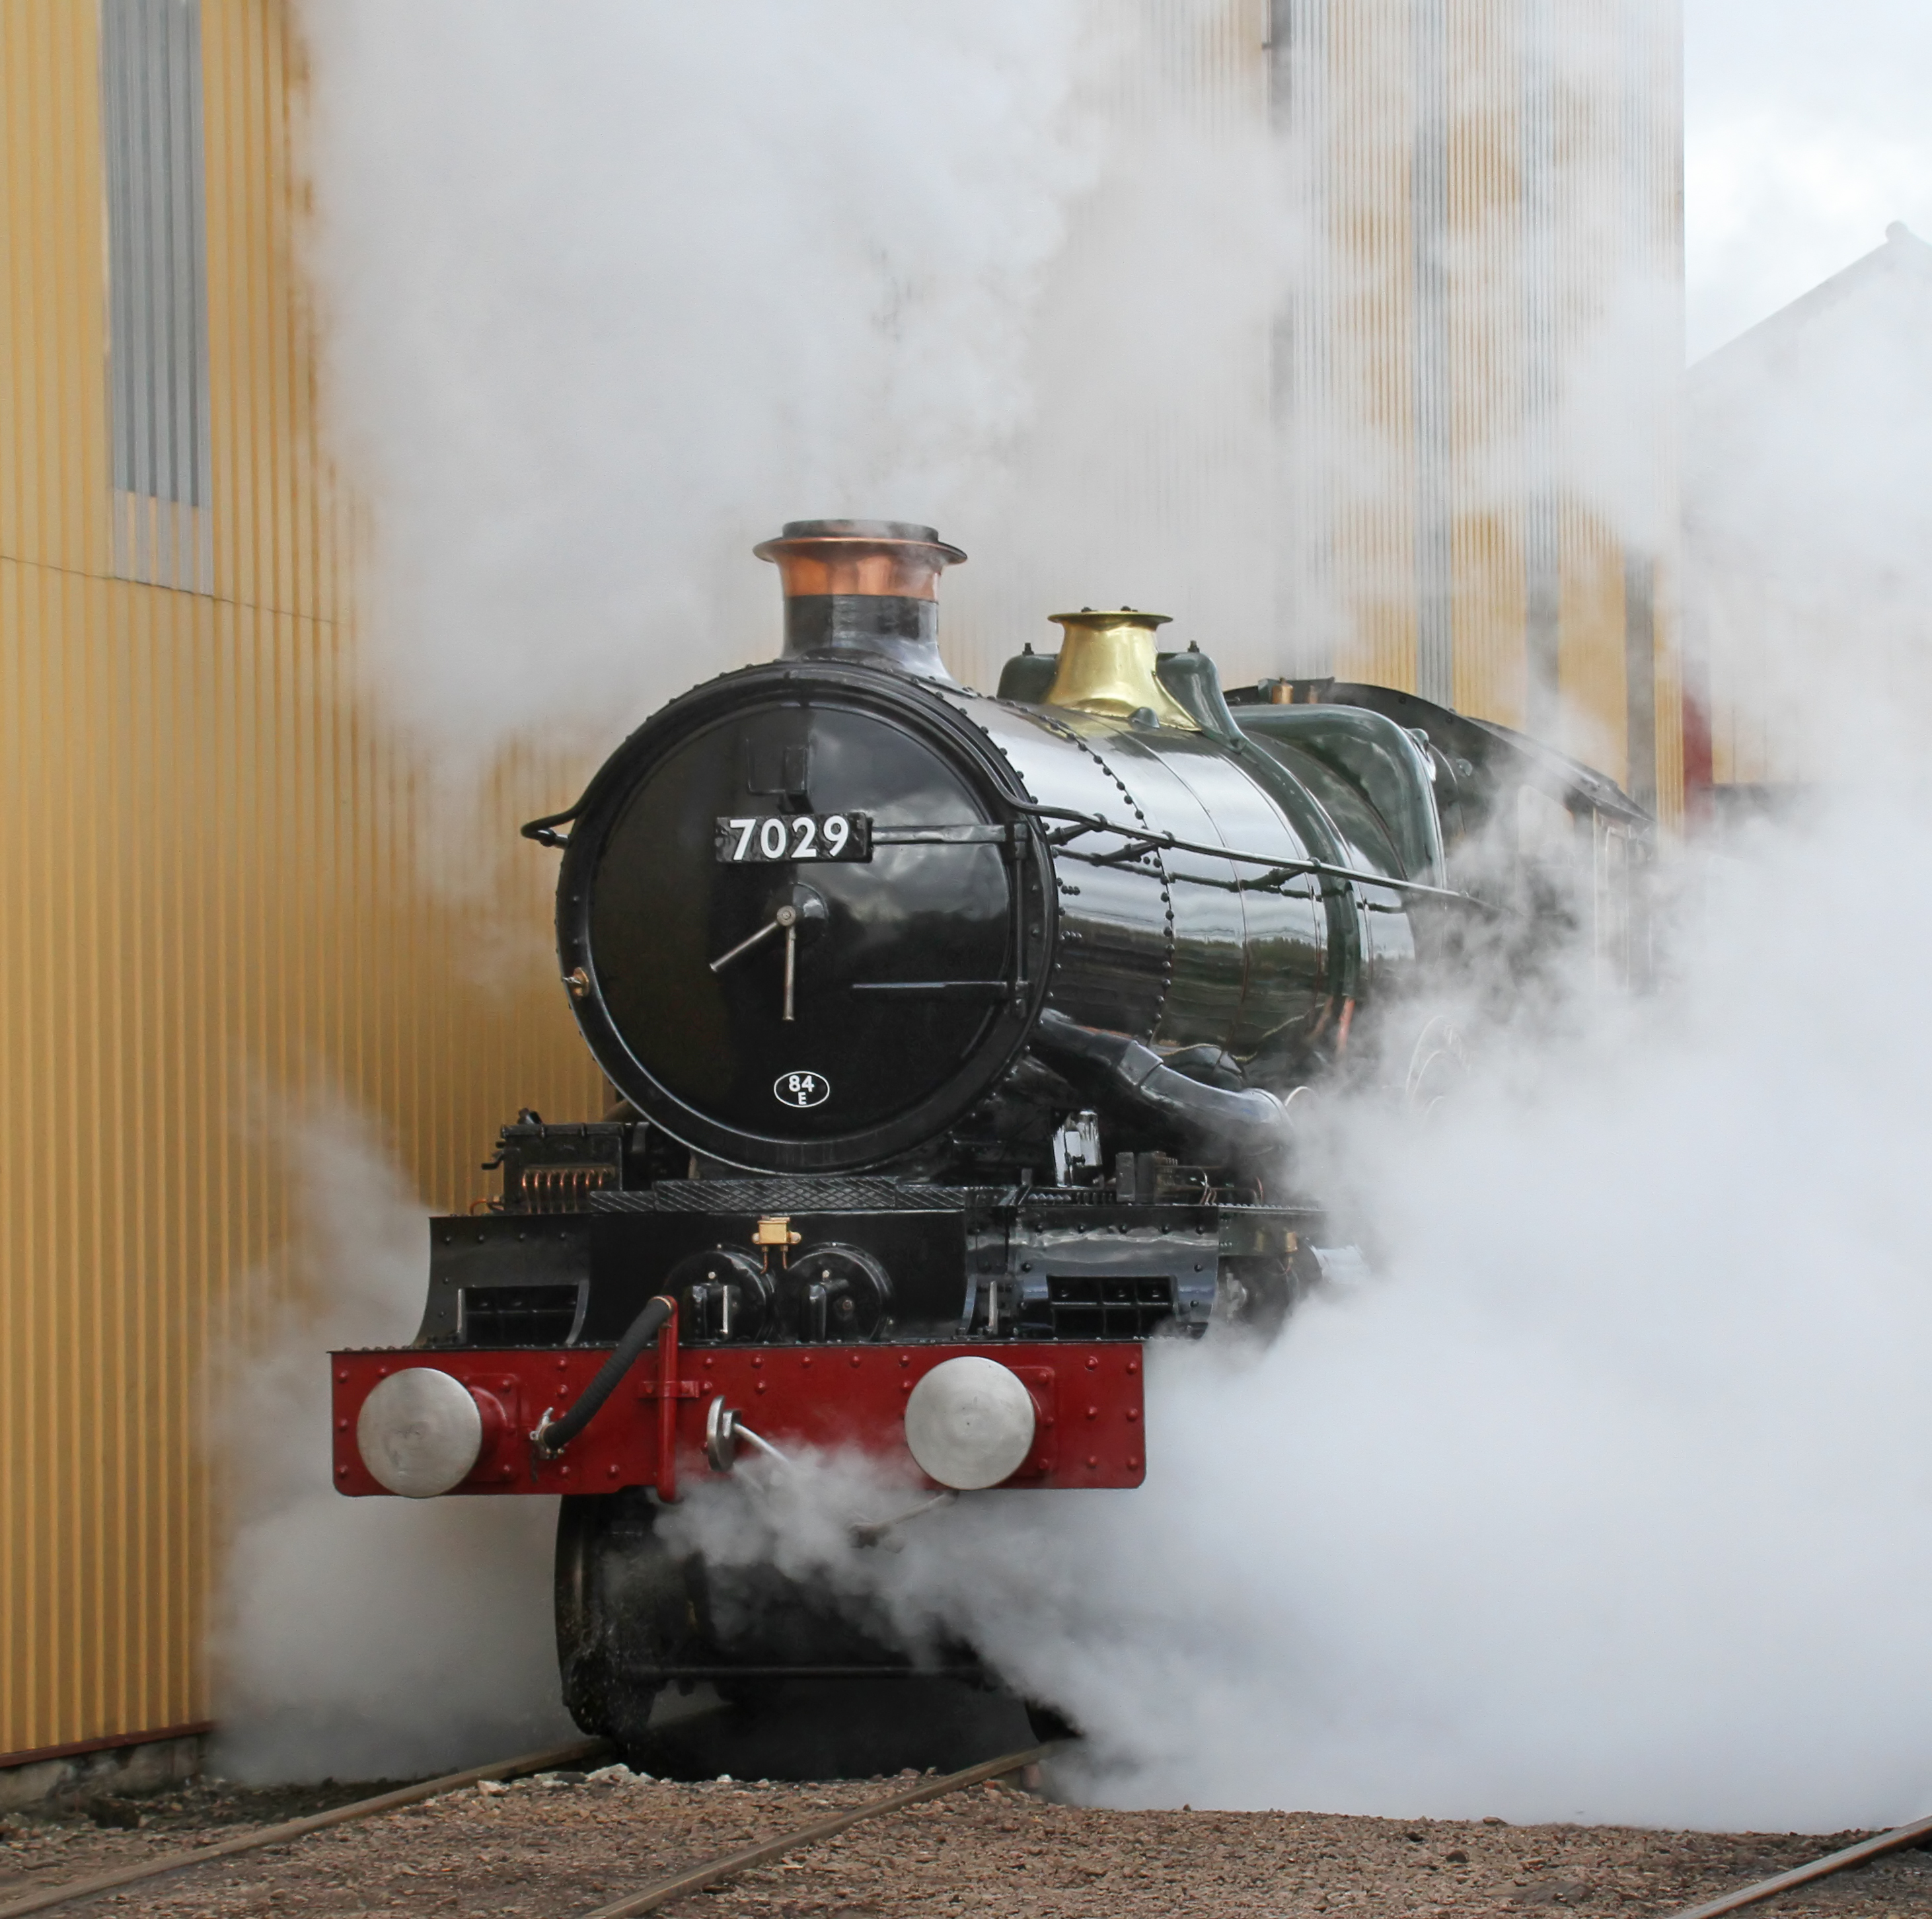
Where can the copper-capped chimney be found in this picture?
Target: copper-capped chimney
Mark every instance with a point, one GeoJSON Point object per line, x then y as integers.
{"type": "Point", "coordinates": [863, 589]}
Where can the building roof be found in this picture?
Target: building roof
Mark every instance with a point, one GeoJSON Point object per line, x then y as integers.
{"type": "Point", "coordinates": [1895, 279]}
{"type": "Point", "coordinates": [1808, 439]}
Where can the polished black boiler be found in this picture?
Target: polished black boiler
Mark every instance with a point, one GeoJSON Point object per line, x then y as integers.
{"type": "Point", "coordinates": [815, 914]}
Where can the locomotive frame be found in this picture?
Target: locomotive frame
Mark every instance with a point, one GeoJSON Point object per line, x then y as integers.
{"type": "Point", "coordinates": [918, 1147]}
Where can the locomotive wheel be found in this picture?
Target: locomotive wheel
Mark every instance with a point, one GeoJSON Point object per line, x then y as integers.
{"type": "Point", "coordinates": [1049, 1724]}
{"type": "Point", "coordinates": [628, 1607]}
{"type": "Point", "coordinates": [621, 1604]}
{"type": "Point", "coordinates": [750, 1698]}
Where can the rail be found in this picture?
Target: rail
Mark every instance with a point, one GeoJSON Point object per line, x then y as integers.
{"type": "Point", "coordinates": [45, 1898]}
{"type": "Point", "coordinates": [646, 1899]}
{"type": "Point", "coordinates": [695, 1878]}
{"type": "Point", "coordinates": [1899, 1837]}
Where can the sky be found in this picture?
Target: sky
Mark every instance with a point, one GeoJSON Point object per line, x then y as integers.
{"type": "Point", "coordinates": [1808, 132]}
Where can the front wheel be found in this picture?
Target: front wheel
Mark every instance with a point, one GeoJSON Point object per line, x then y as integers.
{"type": "Point", "coordinates": [615, 1583]}
{"type": "Point", "coordinates": [1050, 1726]}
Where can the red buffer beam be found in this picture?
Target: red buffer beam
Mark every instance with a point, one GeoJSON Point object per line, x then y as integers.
{"type": "Point", "coordinates": [1087, 1400]}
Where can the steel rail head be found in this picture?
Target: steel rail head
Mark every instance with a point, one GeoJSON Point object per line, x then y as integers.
{"type": "Point", "coordinates": [695, 1878]}
{"type": "Point", "coordinates": [45, 1898]}
{"type": "Point", "coordinates": [1900, 1836]}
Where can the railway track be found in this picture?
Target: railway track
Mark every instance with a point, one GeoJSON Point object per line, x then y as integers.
{"type": "Point", "coordinates": [44, 1899]}
{"type": "Point", "coordinates": [1917, 1833]}
{"type": "Point", "coordinates": [645, 1899]}
{"type": "Point", "coordinates": [662, 1891]}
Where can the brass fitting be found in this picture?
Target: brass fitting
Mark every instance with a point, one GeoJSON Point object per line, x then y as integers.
{"type": "Point", "coordinates": [775, 1230]}
{"type": "Point", "coordinates": [1106, 666]}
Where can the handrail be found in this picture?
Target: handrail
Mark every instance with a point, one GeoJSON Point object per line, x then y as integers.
{"type": "Point", "coordinates": [1144, 839]}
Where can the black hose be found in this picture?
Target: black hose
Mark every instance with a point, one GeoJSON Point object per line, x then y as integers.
{"type": "Point", "coordinates": [1121, 1073]}
{"type": "Point", "coordinates": [553, 1435]}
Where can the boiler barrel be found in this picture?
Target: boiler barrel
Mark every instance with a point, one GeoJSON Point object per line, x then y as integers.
{"type": "Point", "coordinates": [782, 1002]}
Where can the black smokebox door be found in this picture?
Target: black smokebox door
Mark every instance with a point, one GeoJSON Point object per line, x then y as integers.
{"type": "Point", "coordinates": [663, 908]}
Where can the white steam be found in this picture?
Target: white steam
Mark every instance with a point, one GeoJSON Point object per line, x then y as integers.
{"type": "Point", "coordinates": [364, 1637]}
{"type": "Point", "coordinates": [1608, 1497]}
{"type": "Point", "coordinates": [614, 290]}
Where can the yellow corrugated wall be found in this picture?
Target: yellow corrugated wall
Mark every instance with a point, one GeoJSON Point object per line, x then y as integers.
{"type": "Point", "coordinates": [1542, 137]}
{"type": "Point", "coordinates": [216, 896]}
{"type": "Point", "coordinates": [1528, 150]}
{"type": "Point", "coordinates": [216, 906]}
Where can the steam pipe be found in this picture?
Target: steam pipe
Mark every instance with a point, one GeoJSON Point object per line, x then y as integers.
{"type": "Point", "coordinates": [1121, 1072]}
{"type": "Point", "coordinates": [552, 1436]}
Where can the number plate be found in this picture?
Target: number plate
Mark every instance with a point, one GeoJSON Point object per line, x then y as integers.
{"type": "Point", "coordinates": [765, 838]}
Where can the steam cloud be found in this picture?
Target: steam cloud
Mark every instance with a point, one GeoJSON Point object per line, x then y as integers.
{"type": "Point", "coordinates": [1610, 1494]}
{"type": "Point", "coordinates": [612, 290]}
{"type": "Point", "coordinates": [611, 293]}
{"type": "Point", "coordinates": [1608, 1497]}
{"type": "Point", "coordinates": [369, 1638]}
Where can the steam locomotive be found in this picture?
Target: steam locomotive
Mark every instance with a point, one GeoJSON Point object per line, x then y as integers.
{"type": "Point", "coordinates": [960, 1043]}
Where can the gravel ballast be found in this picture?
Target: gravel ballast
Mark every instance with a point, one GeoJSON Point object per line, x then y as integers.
{"type": "Point", "coordinates": [563, 1846]}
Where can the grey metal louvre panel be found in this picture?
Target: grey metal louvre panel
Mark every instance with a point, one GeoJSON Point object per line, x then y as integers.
{"type": "Point", "coordinates": [792, 1195]}
{"type": "Point", "coordinates": [159, 412]}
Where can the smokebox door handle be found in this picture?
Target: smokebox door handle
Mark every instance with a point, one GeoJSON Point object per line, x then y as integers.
{"type": "Point", "coordinates": [544, 831]}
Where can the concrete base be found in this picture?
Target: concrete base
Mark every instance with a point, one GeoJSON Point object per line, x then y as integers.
{"type": "Point", "coordinates": [124, 1771]}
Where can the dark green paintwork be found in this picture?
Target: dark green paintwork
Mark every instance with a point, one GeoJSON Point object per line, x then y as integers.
{"type": "Point", "coordinates": [1380, 765]}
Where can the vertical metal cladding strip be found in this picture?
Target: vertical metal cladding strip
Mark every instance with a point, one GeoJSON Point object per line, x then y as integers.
{"type": "Point", "coordinates": [17, 1412]}
{"type": "Point", "coordinates": [1303, 365]}
{"type": "Point", "coordinates": [19, 1421]}
{"type": "Point", "coordinates": [1640, 676]}
{"type": "Point", "coordinates": [1428, 201]}
{"type": "Point", "coordinates": [1542, 557]}
{"type": "Point", "coordinates": [75, 1573]}
{"type": "Point", "coordinates": [103, 1289]}
{"type": "Point", "coordinates": [1649, 105]}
